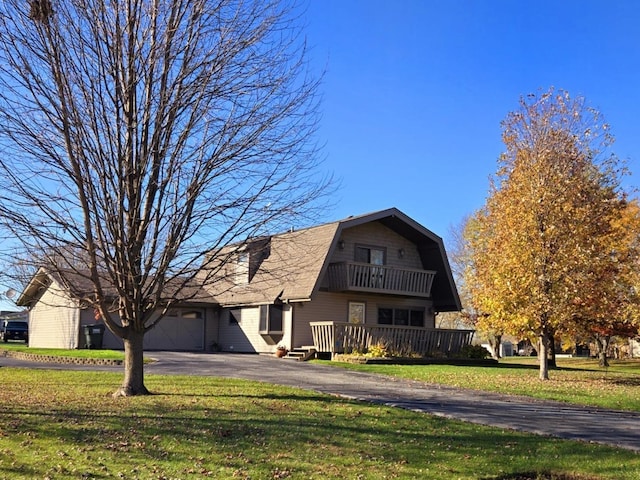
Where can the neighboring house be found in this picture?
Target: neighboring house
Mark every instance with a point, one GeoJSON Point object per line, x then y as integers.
{"type": "Point", "coordinates": [6, 315]}
{"type": "Point", "coordinates": [338, 286]}
{"type": "Point", "coordinates": [59, 315]}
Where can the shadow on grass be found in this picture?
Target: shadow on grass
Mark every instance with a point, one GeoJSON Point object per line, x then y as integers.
{"type": "Point", "coordinates": [535, 366]}
{"type": "Point", "coordinates": [539, 476]}
{"type": "Point", "coordinates": [243, 396]}
{"type": "Point", "coordinates": [626, 382]}
{"type": "Point", "coordinates": [248, 431]}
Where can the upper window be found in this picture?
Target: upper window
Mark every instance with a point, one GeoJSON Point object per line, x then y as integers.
{"type": "Point", "coordinates": [241, 274]}
{"type": "Point", "coordinates": [185, 313]}
{"type": "Point", "coordinates": [372, 255]}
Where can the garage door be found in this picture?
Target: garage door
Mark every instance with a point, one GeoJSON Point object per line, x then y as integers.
{"type": "Point", "coordinates": [180, 330]}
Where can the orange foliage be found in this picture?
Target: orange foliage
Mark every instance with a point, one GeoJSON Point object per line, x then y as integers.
{"type": "Point", "coordinates": [554, 249]}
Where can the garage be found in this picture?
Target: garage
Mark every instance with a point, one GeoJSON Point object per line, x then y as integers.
{"type": "Point", "coordinates": [181, 329]}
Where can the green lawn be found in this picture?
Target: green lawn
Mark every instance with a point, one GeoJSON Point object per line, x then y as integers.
{"type": "Point", "coordinates": [65, 425]}
{"type": "Point", "coordinates": [578, 381]}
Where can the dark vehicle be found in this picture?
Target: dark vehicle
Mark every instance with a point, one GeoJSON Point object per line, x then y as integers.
{"type": "Point", "coordinates": [14, 330]}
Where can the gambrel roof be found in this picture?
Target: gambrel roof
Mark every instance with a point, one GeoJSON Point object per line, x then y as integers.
{"type": "Point", "coordinates": [287, 267]}
{"type": "Point", "coordinates": [295, 263]}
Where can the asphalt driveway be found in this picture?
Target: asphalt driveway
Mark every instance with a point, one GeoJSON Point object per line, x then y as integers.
{"type": "Point", "coordinates": [621, 429]}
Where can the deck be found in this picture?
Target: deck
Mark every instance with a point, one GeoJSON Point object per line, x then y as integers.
{"type": "Point", "coordinates": [344, 337]}
{"type": "Point", "coordinates": [365, 277]}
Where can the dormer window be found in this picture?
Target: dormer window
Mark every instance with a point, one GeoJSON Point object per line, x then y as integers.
{"type": "Point", "coordinates": [241, 274]}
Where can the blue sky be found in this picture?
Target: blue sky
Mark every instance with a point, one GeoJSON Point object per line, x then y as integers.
{"type": "Point", "coordinates": [415, 90]}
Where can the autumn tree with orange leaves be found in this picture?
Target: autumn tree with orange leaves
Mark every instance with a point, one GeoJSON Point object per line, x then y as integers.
{"type": "Point", "coordinates": [543, 249]}
{"type": "Point", "coordinates": [462, 265]}
{"type": "Point", "coordinates": [610, 305]}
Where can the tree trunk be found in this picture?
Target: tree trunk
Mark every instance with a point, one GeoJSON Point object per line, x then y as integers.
{"type": "Point", "coordinates": [133, 383]}
{"type": "Point", "coordinates": [552, 352]}
{"type": "Point", "coordinates": [543, 350]}
{"type": "Point", "coordinates": [494, 345]}
{"type": "Point", "coordinates": [602, 343]}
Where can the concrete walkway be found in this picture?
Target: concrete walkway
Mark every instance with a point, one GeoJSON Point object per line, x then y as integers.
{"type": "Point", "coordinates": [588, 424]}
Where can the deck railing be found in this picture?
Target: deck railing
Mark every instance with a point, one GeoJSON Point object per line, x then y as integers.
{"type": "Point", "coordinates": [343, 337]}
{"type": "Point", "coordinates": [365, 277]}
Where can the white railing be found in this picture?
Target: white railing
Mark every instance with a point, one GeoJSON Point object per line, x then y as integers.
{"type": "Point", "coordinates": [343, 337]}
{"type": "Point", "coordinates": [366, 277]}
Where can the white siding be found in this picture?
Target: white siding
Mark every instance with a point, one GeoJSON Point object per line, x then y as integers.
{"type": "Point", "coordinates": [54, 322]}
{"type": "Point", "coordinates": [244, 336]}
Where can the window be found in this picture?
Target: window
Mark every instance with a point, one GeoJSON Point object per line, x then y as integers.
{"type": "Point", "coordinates": [416, 318]}
{"type": "Point", "coordinates": [385, 316]}
{"type": "Point", "coordinates": [241, 274]}
{"type": "Point", "coordinates": [270, 319]}
{"type": "Point", "coordinates": [373, 277]}
{"type": "Point", "coordinates": [401, 317]}
{"type": "Point", "coordinates": [412, 316]}
{"type": "Point", "coordinates": [185, 313]}
{"type": "Point", "coordinates": [372, 255]}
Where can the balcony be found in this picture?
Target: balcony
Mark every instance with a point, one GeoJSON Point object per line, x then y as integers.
{"type": "Point", "coordinates": [364, 277]}
{"type": "Point", "coordinates": [342, 337]}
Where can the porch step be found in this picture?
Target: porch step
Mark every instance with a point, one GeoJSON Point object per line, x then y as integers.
{"type": "Point", "coordinates": [301, 354]}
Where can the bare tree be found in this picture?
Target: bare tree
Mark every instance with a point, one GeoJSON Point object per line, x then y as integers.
{"type": "Point", "coordinates": [140, 136]}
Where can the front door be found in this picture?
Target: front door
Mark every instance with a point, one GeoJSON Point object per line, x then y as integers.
{"type": "Point", "coordinates": [356, 312]}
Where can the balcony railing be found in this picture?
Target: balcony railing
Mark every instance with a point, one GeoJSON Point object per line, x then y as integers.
{"type": "Point", "coordinates": [364, 277]}
{"type": "Point", "coordinates": [343, 337]}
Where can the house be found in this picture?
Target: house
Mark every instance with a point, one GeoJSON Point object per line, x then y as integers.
{"type": "Point", "coordinates": [6, 315]}
{"type": "Point", "coordinates": [341, 286]}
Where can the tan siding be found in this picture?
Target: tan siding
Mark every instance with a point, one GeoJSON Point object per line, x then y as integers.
{"type": "Point", "coordinates": [335, 307]}
{"type": "Point", "coordinates": [375, 234]}
{"type": "Point", "coordinates": [54, 321]}
{"type": "Point", "coordinates": [211, 329]}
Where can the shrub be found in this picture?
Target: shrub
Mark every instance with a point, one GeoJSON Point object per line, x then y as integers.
{"type": "Point", "coordinates": [378, 350]}
{"type": "Point", "coordinates": [473, 351]}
